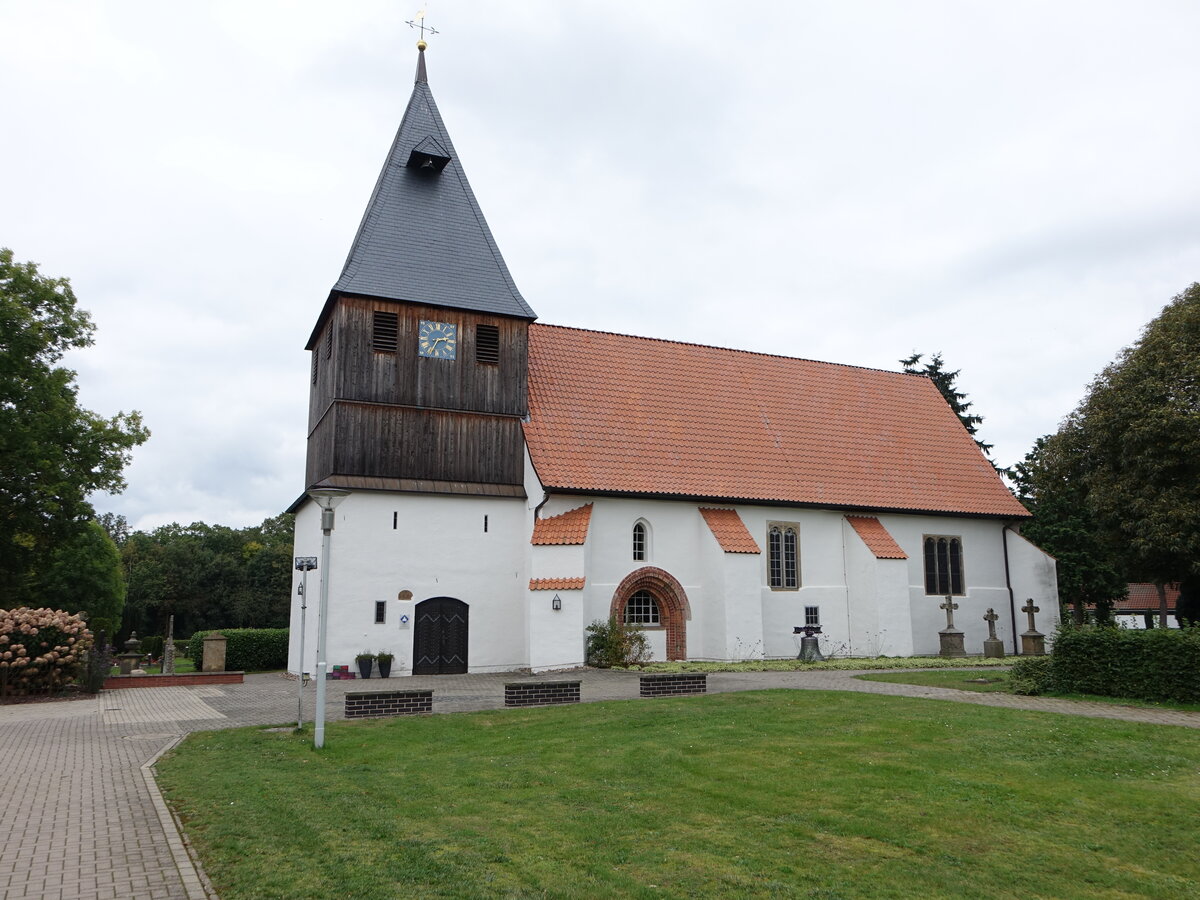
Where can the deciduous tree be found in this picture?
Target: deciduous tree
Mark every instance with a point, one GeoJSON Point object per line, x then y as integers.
{"type": "Point", "coordinates": [53, 452]}
{"type": "Point", "coordinates": [1049, 481]}
{"type": "Point", "coordinates": [1139, 432]}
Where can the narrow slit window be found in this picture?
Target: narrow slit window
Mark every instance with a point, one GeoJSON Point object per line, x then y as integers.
{"type": "Point", "coordinates": [487, 344]}
{"type": "Point", "coordinates": [380, 612]}
{"type": "Point", "coordinates": [385, 331]}
{"type": "Point", "coordinates": [315, 357]}
{"type": "Point", "coordinates": [639, 541]}
{"type": "Point", "coordinates": [395, 520]}
{"type": "Point", "coordinates": [329, 340]}
{"type": "Point", "coordinates": [485, 524]}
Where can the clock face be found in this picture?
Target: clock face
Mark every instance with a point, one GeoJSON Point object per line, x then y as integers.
{"type": "Point", "coordinates": [438, 340]}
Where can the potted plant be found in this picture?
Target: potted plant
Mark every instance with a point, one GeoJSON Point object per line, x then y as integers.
{"type": "Point", "coordinates": [364, 660]}
{"type": "Point", "coordinates": [385, 663]}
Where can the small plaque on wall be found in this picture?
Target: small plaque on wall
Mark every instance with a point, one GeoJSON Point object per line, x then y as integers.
{"type": "Point", "coordinates": [404, 595]}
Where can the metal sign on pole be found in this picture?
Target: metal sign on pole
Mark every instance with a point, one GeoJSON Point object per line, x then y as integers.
{"type": "Point", "coordinates": [304, 564]}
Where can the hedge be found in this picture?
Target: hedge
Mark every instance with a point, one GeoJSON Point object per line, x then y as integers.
{"type": "Point", "coordinates": [1154, 664]}
{"type": "Point", "coordinates": [246, 649]}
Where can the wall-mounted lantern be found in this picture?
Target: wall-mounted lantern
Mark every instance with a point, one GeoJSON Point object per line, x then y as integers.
{"type": "Point", "coordinates": [556, 603]}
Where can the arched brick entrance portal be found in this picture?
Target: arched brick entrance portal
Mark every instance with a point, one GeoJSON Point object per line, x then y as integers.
{"type": "Point", "coordinates": [674, 609]}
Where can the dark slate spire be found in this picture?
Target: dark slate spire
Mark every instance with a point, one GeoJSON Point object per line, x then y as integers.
{"type": "Point", "coordinates": [423, 237]}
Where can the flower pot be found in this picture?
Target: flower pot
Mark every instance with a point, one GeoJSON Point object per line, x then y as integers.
{"type": "Point", "coordinates": [364, 667]}
{"type": "Point", "coordinates": [385, 667]}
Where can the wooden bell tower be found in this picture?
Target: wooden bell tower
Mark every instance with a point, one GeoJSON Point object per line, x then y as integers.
{"type": "Point", "coordinates": [419, 356]}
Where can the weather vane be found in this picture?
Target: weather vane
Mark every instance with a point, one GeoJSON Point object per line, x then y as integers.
{"type": "Point", "coordinates": [418, 22]}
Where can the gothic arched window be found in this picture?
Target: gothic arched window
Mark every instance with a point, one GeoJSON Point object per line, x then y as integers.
{"type": "Point", "coordinates": [783, 569]}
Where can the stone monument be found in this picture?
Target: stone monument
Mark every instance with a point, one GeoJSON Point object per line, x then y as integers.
{"type": "Point", "coordinates": [993, 646]}
{"type": "Point", "coordinates": [214, 653]}
{"type": "Point", "coordinates": [950, 638]}
{"type": "Point", "coordinates": [1033, 642]}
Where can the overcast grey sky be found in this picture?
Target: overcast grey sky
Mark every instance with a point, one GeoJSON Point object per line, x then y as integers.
{"type": "Point", "coordinates": [1012, 184]}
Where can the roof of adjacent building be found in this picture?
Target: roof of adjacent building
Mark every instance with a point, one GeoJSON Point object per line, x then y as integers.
{"type": "Point", "coordinates": [423, 238]}
{"type": "Point", "coordinates": [877, 538]}
{"type": "Point", "coordinates": [729, 530]}
{"type": "Point", "coordinates": [613, 413]}
{"type": "Point", "coordinates": [570, 527]}
{"type": "Point", "coordinates": [1145, 597]}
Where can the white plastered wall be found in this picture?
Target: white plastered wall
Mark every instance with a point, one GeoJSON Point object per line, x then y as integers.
{"type": "Point", "coordinates": [438, 547]}
{"type": "Point", "coordinates": [1034, 576]}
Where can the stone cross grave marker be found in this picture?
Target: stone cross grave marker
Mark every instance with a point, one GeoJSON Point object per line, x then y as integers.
{"type": "Point", "coordinates": [1033, 642]}
{"type": "Point", "coordinates": [993, 646]}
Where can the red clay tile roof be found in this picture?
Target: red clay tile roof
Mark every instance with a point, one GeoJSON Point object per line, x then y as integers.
{"type": "Point", "coordinates": [631, 415]}
{"type": "Point", "coordinates": [556, 584]}
{"type": "Point", "coordinates": [729, 530]}
{"type": "Point", "coordinates": [876, 537]}
{"type": "Point", "coordinates": [569, 528]}
{"type": "Point", "coordinates": [1145, 596]}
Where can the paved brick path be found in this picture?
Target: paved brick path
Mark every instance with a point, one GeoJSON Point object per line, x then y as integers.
{"type": "Point", "coordinates": [84, 820]}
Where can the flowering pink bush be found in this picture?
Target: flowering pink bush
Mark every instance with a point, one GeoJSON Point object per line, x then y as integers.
{"type": "Point", "coordinates": [40, 649]}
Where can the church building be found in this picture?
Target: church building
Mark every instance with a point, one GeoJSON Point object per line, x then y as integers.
{"type": "Point", "coordinates": [511, 482]}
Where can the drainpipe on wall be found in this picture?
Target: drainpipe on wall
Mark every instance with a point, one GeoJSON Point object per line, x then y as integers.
{"type": "Point", "coordinates": [1012, 603]}
{"type": "Point", "coordinates": [537, 509]}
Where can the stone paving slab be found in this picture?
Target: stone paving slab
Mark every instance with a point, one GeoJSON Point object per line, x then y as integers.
{"type": "Point", "coordinates": [85, 820]}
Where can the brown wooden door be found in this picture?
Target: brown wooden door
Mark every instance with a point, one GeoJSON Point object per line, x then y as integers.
{"type": "Point", "coordinates": [440, 637]}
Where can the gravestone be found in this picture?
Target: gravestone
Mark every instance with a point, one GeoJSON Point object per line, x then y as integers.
{"type": "Point", "coordinates": [1033, 642]}
{"type": "Point", "coordinates": [168, 658]}
{"type": "Point", "coordinates": [993, 646]}
{"type": "Point", "coordinates": [214, 653]}
{"type": "Point", "coordinates": [950, 638]}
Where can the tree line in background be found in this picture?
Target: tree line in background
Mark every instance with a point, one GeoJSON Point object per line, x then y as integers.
{"type": "Point", "coordinates": [207, 576]}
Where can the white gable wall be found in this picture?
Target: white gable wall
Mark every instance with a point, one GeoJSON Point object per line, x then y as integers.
{"type": "Point", "coordinates": [438, 548]}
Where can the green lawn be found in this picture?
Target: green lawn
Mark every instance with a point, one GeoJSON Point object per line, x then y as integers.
{"type": "Point", "coordinates": [182, 664]}
{"type": "Point", "coordinates": [763, 794]}
{"type": "Point", "coordinates": [998, 682]}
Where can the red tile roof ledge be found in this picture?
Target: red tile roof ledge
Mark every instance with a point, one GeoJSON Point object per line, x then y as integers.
{"type": "Point", "coordinates": [570, 527]}
{"type": "Point", "coordinates": [617, 414]}
{"type": "Point", "coordinates": [729, 530]}
{"type": "Point", "coordinates": [556, 584]}
{"type": "Point", "coordinates": [877, 538]}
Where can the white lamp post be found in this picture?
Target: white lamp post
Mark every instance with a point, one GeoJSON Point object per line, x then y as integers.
{"type": "Point", "coordinates": [327, 499]}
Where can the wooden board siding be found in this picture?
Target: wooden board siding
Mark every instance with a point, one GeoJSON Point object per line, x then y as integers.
{"type": "Point", "coordinates": [404, 378]}
{"type": "Point", "coordinates": [376, 440]}
{"type": "Point", "coordinates": [400, 416]}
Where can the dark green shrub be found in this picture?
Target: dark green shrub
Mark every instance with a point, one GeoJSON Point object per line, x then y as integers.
{"type": "Point", "coordinates": [612, 643]}
{"type": "Point", "coordinates": [1030, 675]}
{"type": "Point", "coordinates": [246, 649]}
{"type": "Point", "coordinates": [1157, 664]}
{"type": "Point", "coordinates": [96, 666]}
{"type": "Point", "coordinates": [153, 646]}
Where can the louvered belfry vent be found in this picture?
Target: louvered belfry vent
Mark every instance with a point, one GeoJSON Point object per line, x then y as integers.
{"type": "Point", "coordinates": [487, 344]}
{"type": "Point", "coordinates": [385, 332]}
